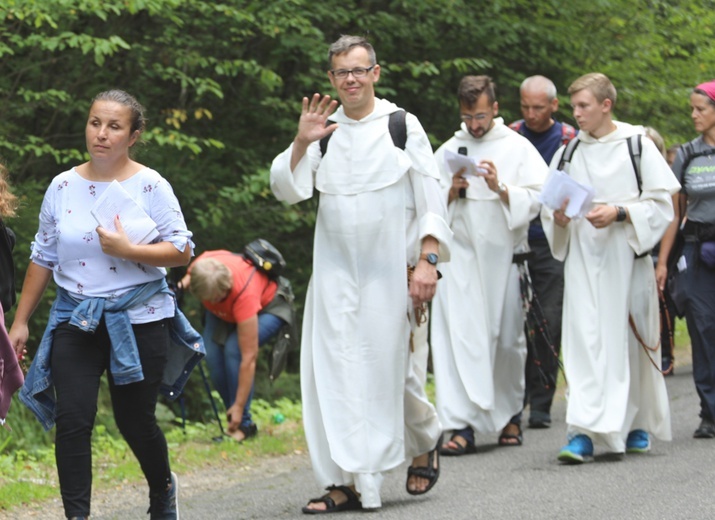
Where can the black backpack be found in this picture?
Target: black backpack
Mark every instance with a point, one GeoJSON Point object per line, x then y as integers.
{"type": "Point", "coordinates": [634, 151]}
{"type": "Point", "coordinates": [689, 154]}
{"type": "Point", "coordinates": [7, 267]}
{"type": "Point", "coordinates": [266, 257]}
{"type": "Point", "coordinates": [397, 126]}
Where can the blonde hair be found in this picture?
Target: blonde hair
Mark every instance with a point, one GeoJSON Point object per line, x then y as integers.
{"type": "Point", "coordinates": [655, 136]}
{"type": "Point", "coordinates": [8, 201]}
{"type": "Point", "coordinates": [599, 85]}
{"type": "Point", "coordinates": [210, 279]}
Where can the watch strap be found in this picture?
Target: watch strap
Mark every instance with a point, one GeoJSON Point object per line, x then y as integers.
{"type": "Point", "coordinates": [430, 258]}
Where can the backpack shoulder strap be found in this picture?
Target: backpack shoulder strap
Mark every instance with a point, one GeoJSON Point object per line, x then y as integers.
{"type": "Point", "coordinates": [517, 126]}
{"type": "Point", "coordinates": [689, 154]}
{"type": "Point", "coordinates": [634, 151]}
{"type": "Point", "coordinates": [397, 126]}
{"type": "Point", "coordinates": [568, 154]}
{"type": "Point", "coordinates": [568, 133]}
{"type": "Point", "coordinates": [324, 140]}
{"type": "Point", "coordinates": [250, 276]}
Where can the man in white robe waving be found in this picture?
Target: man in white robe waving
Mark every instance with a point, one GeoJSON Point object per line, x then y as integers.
{"type": "Point", "coordinates": [380, 210]}
{"type": "Point", "coordinates": [617, 395]}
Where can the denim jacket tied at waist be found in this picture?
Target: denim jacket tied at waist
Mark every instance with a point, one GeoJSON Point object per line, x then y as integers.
{"type": "Point", "coordinates": [185, 351]}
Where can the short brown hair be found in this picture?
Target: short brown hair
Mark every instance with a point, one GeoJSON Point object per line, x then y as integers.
{"type": "Point", "coordinates": [346, 43]}
{"type": "Point", "coordinates": [210, 279]}
{"type": "Point", "coordinates": [138, 121]}
{"type": "Point", "coordinates": [599, 85]}
{"type": "Point", "coordinates": [472, 87]}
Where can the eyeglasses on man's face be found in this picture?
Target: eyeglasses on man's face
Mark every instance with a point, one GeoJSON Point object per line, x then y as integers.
{"type": "Point", "coordinates": [476, 117]}
{"type": "Point", "coordinates": [357, 72]}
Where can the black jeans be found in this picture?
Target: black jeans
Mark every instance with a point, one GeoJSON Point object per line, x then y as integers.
{"type": "Point", "coordinates": [699, 312]}
{"type": "Point", "coordinates": [78, 361]}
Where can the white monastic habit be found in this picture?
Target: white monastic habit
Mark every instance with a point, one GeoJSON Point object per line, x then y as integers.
{"type": "Point", "coordinates": [363, 407]}
{"type": "Point", "coordinates": [477, 324]}
{"type": "Point", "coordinates": [613, 385]}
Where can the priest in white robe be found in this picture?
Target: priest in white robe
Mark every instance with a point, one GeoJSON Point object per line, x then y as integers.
{"type": "Point", "coordinates": [477, 329]}
{"type": "Point", "coordinates": [380, 210]}
{"type": "Point", "coordinates": [616, 392]}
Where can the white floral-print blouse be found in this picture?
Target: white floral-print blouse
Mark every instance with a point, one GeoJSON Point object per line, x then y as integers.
{"type": "Point", "coordinates": [67, 240]}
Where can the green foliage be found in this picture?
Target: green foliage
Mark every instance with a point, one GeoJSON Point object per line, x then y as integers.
{"type": "Point", "coordinates": [31, 476]}
{"type": "Point", "coordinates": [26, 476]}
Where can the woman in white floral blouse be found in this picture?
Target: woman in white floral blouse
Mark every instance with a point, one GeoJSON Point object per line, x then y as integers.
{"type": "Point", "coordinates": [113, 310]}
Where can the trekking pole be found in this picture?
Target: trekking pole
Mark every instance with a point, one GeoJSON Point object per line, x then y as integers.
{"type": "Point", "coordinates": [536, 323]}
{"type": "Point", "coordinates": [213, 404]}
{"type": "Point", "coordinates": [179, 295]}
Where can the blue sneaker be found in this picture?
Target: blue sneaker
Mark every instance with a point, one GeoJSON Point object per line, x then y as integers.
{"type": "Point", "coordinates": [577, 451]}
{"type": "Point", "coordinates": [165, 505]}
{"type": "Point", "coordinates": [638, 441]}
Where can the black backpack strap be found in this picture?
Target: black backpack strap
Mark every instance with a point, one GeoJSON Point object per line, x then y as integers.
{"type": "Point", "coordinates": [324, 140]}
{"type": "Point", "coordinates": [568, 154]}
{"type": "Point", "coordinates": [397, 126]}
{"type": "Point", "coordinates": [689, 154]}
{"type": "Point", "coordinates": [568, 133]}
{"type": "Point", "coordinates": [7, 267]}
{"type": "Point", "coordinates": [634, 151]}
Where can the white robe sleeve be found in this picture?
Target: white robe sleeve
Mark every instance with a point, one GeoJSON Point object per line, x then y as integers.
{"type": "Point", "coordinates": [430, 206]}
{"type": "Point", "coordinates": [557, 236]}
{"type": "Point", "coordinates": [295, 186]}
{"type": "Point", "coordinates": [432, 213]}
{"type": "Point", "coordinates": [524, 202]}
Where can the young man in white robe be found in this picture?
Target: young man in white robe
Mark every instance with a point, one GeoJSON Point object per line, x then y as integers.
{"type": "Point", "coordinates": [380, 210]}
{"type": "Point", "coordinates": [477, 322]}
{"type": "Point", "coordinates": [616, 392]}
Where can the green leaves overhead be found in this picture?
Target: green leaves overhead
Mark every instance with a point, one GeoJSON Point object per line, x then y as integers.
{"type": "Point", "coordinates": [222, 82]}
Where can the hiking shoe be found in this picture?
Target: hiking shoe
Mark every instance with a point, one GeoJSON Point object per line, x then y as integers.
{"type": "Point", "coordinates": [577, 451]}
{"type": "Point", "coordinates": [165, 505]}
{"type": "Point", "coordinates": [539, 420]}
{"type": "Point", "coordinates": [638, 441]}
{"type": "Point", "coordinates": [706, 430]}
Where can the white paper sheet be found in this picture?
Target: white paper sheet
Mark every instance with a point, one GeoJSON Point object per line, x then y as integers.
{"type": "Point", "coordinates": [115, 200]}
{"type": "Point", "coordinates": [455, 161]}
{"type": "Point", "coordinates": [559, 186]}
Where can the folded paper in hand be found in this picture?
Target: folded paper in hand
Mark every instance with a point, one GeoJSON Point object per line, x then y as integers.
{"type": "Point", "coordinates": [558, 187]}
{"type": "Point", "coordinates": [115, 200]}
{"type": "Point", "coordinates": [455, 161]}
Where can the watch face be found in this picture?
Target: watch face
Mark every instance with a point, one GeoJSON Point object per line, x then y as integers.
{"type": "Point", "coordinates": [432, 258]}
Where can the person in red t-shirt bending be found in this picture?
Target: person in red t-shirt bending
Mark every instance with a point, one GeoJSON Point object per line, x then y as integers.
{"type": "Point", "coordinates": [235, 295]}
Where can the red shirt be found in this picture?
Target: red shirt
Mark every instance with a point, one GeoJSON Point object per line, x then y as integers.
{"type": "Point", "coordinates": [252, 290]}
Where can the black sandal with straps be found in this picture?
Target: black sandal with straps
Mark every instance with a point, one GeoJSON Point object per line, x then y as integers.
{"type": "Point", "coordinates": [352, 502]}
{"type": "Point", "coordinates": [428, 472]}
